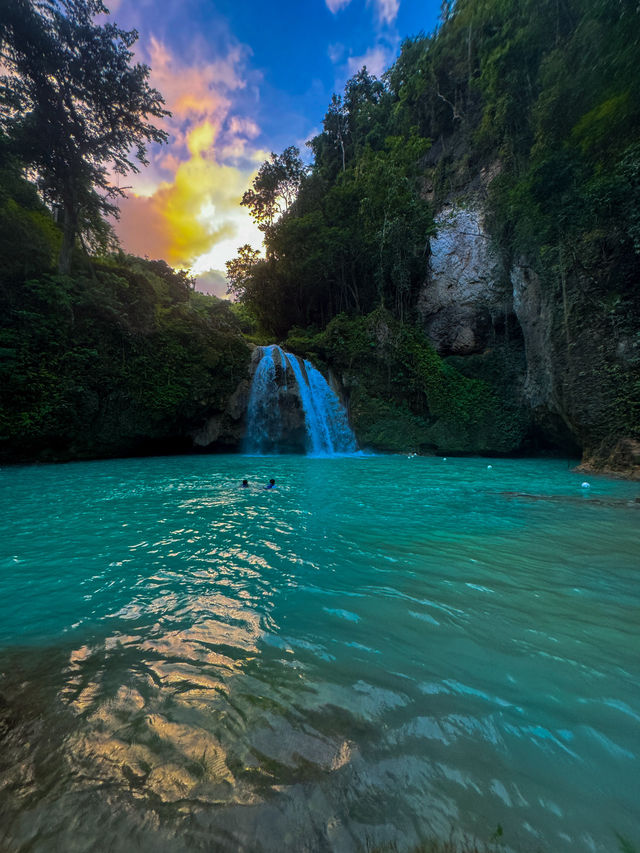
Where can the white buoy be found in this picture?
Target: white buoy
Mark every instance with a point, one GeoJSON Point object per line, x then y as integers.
{"type": "Point", "coordinates": [444, 458]}
{"type": "Point", "coordinates": [489, 467]}
{"type": "Point", "coordinates": [586, 485]}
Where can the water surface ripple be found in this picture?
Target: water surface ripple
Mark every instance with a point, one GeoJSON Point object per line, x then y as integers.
{"type": "Point", "coordinates": [382, 650]}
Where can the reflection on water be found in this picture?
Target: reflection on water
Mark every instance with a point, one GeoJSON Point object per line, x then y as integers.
{"type": "Point", "coordinates": [381, 651]}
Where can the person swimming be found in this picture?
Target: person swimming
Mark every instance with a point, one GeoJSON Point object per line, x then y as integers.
{"type": "Point", "coordinates": [245, 484]}
{"type": "Point", "coordinates": [271, 485]}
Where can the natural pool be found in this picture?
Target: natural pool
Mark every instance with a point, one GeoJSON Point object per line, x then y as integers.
{"type": "Point", "coordinates": [381, 650]}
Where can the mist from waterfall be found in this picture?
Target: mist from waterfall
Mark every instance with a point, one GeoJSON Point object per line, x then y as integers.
{"type": "Point", "coordinates": [280, 381]}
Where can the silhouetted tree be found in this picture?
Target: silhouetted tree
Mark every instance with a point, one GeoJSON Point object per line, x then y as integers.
{"type": "Point", "coordinates": [74, 106]}
{"type": "Point", "coordinates": [275, 187]}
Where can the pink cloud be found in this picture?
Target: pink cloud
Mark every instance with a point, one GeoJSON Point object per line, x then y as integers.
{"type": "Point", "coordinates": [212, 282]}
{"type": "Point", "coordinates": [244, 127]}
{"type": "Point", "coordinates": [142, 227]}
{"type": "Point", "coordinates": [193, 91]}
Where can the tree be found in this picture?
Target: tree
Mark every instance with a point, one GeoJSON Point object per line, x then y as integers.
{"type": "Point", "coordinates": [74, 107]}
{"type": "Point", "coordinates": [239, 269]}
{"type": "Point", "coordinates": [349, 124]}
{"type": "Point", "coordinates": [362, 96]}
{"type": "Point", "coordinates": [395, 219]}
{"type": "Point", "coordinates": [335, 125]}
{"type": "Point", "coordinates": [275, 187]}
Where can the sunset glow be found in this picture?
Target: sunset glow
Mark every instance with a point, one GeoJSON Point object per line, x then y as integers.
{"type": "Point", "coordinates": [238, 86]}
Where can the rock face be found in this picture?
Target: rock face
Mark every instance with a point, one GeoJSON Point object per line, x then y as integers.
{"type": "Point", "coordinates": [465, 290]}
{"type": "Point", "coordinates": [581, 377]}
{"type": "Point", "coordinates": [534, 313]}
{"type": "Point", "coordinates": [225, 431]}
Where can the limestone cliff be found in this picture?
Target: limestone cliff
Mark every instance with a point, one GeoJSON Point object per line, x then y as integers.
{"type": "Point", "coordinates": [464, 292]}
{"type": "Point", "coordinates": [580, 351]}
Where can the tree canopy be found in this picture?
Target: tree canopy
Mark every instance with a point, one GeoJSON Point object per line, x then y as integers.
{"type": "Point", "coordinates": [74, 107]}
{"type": "Point", "coordinates": [275, 187]}
{"type": "Point", "coordinates": [545, 95]}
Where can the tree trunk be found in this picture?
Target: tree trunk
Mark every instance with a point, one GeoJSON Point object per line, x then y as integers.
{"type": "Point", "coordinates": [69, 231]}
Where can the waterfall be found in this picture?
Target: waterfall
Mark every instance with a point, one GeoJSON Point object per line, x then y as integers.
{"type": "Point", "coordinates": [264, 420]}
{"type": "Point", "coordinates": [292, 407]}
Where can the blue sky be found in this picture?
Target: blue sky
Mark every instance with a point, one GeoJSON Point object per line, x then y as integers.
{"type": "Point", "coordinates": [242, 79]}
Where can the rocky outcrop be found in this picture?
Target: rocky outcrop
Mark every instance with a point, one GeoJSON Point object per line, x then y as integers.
{"type": "Point", "coordinates": [467, 312]}
{"type": "Point", "coordinates": [465, 291]}
{"type": "Point", "coordinates": [575, 338]}
{"type": "Point", "coordinates": [620, 460]}
{"type": "Point", "coordinates": [226, 430]}
{"type": "Point", "coordinates": [535, 312]}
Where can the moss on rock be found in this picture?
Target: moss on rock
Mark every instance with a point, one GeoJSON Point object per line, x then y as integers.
{"type": "Point", "coordinates": [403, 396]}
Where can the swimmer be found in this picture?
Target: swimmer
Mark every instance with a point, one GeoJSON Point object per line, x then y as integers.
{"type": "Point", "coordinates": [245, 484]}
{"type": "Point", "coordinates": [272, 484]}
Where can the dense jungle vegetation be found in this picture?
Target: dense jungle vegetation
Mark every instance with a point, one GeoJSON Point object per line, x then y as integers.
{"type": "Point", "coordinates": [100, 353]}
{"type": "Point", "coordinates": [121, 357]}
{"type": "Point", "coordinates": [547, 92]}
{"type": "Point", "coordinates": [545, 97]}
{"type": "Point", "coordinates": [104, 353]}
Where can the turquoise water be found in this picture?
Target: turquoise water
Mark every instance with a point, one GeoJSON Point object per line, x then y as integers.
{"type": "Point", "coordinates": [382, 650]}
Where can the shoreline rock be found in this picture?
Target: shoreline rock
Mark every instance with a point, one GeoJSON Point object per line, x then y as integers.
{"type": "Point", "coordinates": [621, 460]}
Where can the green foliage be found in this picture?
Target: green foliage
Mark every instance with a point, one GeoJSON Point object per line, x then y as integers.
{"type": "Point", "coordinates": [29, 239]}
{"type": "Point", "coordinates": [359, 243]}
{"type": "Point", "coordinates": [123, 359]}
{"type": "Point", "coordinates": [404, 396]}
{"type": "Point", "coordinates": [275, 187]}
{"type": "Point", "coordinates": [545, 94]}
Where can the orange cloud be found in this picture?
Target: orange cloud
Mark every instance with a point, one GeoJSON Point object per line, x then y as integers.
{"type": "Point", "coordinates": [196, 91]}
{"type": "Point", "coordinates": [141, 227]}
{"type": "Point", "coordinates": [188, 202]}
{"type": "Point", "coordinates": [186, 218]}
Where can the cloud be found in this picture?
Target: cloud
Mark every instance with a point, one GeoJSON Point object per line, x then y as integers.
{"type": "Point", "coordinates": [335, 52]}
{"type": "Point", "coordinates": [212, 282]}
{"type": "Point", "coordinates": [185, 208]}
{"type": "Point", "coordinates": [245, 126]}
{"type": "Point", "coordinates": [197, 90]}
{"type": "Point", "coordinates": [377, 59]}
{"type": "Point", "coordinates": [335, 6]}
{"type": "Point", "coordinates": [386, 11]}
{"type": "Point", "coordinates": [186, 218]}
{"type": "Point", "coordinates": [141, 228]}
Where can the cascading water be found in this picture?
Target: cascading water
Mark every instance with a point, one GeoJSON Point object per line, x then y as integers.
{"type": "Point", "coordinates": [277, 409]}
{"type": "Point", "coordinates": [325, 418]}
{"type": "Point", "coordinates": [264, 421]}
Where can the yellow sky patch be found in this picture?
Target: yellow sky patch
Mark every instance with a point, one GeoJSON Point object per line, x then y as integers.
{"type": "Point", "coordinates": [194, 219]}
